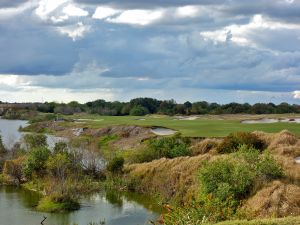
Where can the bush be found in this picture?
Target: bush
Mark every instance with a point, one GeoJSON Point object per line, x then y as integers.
{"type": "Point", "coordinates": [268, 169]}
{"type": "Point", "coordinates": [115, 165]}
{"type": "Point", "coordinates": [225, 178]}
{"type": "Point", "coordinates": [138, 111]}
{"type": "Point", "coordinates": [36, 161]}
{"type": "Point", "coordinates": [35, 140]}
{"type": "Point", "coordinates": [168, 147]}
{"type": "Point", "coordinates": [232, 142]}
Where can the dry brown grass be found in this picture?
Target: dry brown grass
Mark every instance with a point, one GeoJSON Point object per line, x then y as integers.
{"type": "Point", "coordinates": [174, 179]}
{"type": "Point", "coordinates": [276, 199]}
{"type": "Point", "coordinates": [205, 146]}
{"type": "Point", "coordinates": [284, 146]}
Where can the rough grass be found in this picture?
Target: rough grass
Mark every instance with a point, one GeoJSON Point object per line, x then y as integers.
{"type": "Point", "coordinates": [176, 179]}
{"type": "Point", "coordinates": [281, 221]}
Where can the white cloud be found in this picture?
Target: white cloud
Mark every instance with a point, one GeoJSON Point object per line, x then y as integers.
{"type": "Point", "coordinates": [48, 6]}
{"type": "Point", "coordinates": [296, 94]}
{"type": "Point", "coordinates": [241, 33]}
{"type": "Point", "coordinates": [74, 31]}
{"type": "Point", "coordinates": [104, 12]}
{"type": "Point", "coordinates": [138, 17]}
{"type": "Point", "coordinates": [187, 11]}
{"type": "Point", "coordinates": [72, 10]}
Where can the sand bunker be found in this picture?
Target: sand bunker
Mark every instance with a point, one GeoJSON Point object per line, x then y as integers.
{"type": "Point", "coordinates": [185, 118]}
{"type": "Point", "coordinates": [267, 120]}
{"type": "Point", "coordinates": [297, 159]}
{"type": "Point", "coordinates": [162, 131]}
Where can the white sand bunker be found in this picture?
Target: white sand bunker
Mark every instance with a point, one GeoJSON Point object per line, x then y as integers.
{"type": "Point", "coordinates": [267, 120]}
{"type": "Point", "coordinates": [185, 118]}
{"type": "Point", "coordinates": [264, 120]}
{"type": "Point", "coordinates": [162, 131]}
{"type": "Point", "coordinates": [297, 159]}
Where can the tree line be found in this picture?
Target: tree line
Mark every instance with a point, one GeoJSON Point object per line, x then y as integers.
{"type": "Point", "coordinates": [143, 106]}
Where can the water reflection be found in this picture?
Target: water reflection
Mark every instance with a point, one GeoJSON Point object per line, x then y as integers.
{"type": "Point", "coordinates": [16, 207]}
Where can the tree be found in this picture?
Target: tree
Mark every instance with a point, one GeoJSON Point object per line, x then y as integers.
{"type": "Point", "coordinates": [138, 111]}
{"type": "Point", "coordinates": [58, 165]}
{"type": "Point", "coordinates": [35, 140]}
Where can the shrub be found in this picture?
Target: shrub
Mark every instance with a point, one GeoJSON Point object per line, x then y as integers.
{"type": "Point", "coordinates": [232, 142]}
{"type": "Point", "coordinates": [115, 165]}
{"type": "Point", "coordinates": [36, 161]}
{"type": "Point", "coordinates": [268, 169]}
{"type": "Point", "coordinates": [168, 147]}
{"type": "Point", "coordinates": [225, 178]}
{"type": "Point", "coordinates": [35, 140]}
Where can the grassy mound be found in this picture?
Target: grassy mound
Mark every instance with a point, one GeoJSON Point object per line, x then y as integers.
{"type": "Point", "coordinates": [47, 204]}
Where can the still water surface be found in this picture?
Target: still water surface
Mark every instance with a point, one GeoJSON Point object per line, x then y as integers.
{"type": "Point", "coordinates": [17, 207]}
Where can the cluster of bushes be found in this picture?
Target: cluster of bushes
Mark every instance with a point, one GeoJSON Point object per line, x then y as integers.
{"type": "Point", "coordinates": [225, 182]}
{"type": "Point", "coordinates": [233, 141]}
{"type": "Point", "coordinates": [61, 174]}
{"type": "Point", "coordinates": [168, 147]}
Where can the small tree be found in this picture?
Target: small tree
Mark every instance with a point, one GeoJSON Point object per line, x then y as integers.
{"type": "Point", "coordinates": [35, 140]}
{"type": "Point", "coordinates": [36, 161]}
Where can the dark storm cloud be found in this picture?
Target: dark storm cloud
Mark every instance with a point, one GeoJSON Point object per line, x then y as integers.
{"type": "Point", "coordinates": [32, 49]}
{"type": "Point", "coordinates": [169, 53]}
{"type": "Point", "coordinates": [149, 4]}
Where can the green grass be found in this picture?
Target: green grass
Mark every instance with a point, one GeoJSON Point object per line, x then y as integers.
{"type": "Point", "coordinates": [47, 205]}
{"type": "Point", "coordinates": [204, 127]}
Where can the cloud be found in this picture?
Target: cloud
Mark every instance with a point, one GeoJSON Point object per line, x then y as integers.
{"type": "Point", "coordinates": [296, 94]}
{"type": "Point", "coordinates": [103, 12]}
{"type": "Point", "coordinates": [76, 31]}
{"type": "Point", "coordinates": [72, 10]}
{"type": "Point", "coordinates": [138, 47]}
{"type": "Point", "coordinates": [137, 17]}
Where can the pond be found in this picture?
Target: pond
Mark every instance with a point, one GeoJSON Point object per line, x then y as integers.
{"type": "Point", "coordinates": [17, 207]}
{"type": "Point", "coordinates": [9, 130]}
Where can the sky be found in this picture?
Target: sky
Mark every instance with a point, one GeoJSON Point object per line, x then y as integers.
{"type": "Point", "coordinates": [214, 50]}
